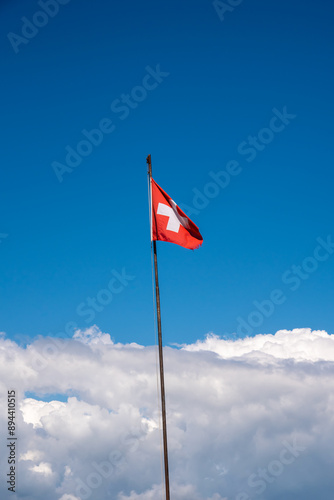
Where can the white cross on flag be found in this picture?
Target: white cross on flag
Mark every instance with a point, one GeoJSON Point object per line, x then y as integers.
{"type": "Point", "coordinates": [169, 223]}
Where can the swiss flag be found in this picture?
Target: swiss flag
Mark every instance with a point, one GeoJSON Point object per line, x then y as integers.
{"type": "Point", "coordinates": [169, 223]}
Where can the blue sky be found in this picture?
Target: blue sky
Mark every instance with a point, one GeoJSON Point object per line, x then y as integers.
{"type": "Point", "coordinates": [221, 81]}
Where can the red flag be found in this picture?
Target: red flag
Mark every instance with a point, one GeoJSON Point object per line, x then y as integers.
{"type": "Point", "coordinates": [169, 223]}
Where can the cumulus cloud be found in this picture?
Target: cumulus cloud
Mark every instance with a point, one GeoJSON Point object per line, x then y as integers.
{"type": "Point", "coordinates": [299, 344]}
{"type": "Point", "coordinates": [42, 468]}
{"type": "Point", "coordinates": [247, 419]}
{"type": "Point", "coordinates": [92, 335]}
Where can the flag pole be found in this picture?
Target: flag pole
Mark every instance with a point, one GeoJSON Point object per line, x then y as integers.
{"type": "Point", "coordinates": [161, 362]}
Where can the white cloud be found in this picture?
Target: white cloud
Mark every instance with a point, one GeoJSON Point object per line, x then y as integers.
{"type": "Point", "coordinates": [32, 455]}
{"type": "Point", "coordinates": [179, 492]}
{"type": "Point", "coordinates": [250, 418]}
{"type": "Point", "coordinates": [92, 335]}
{"type": "Point", "coordinates": [42, 468]}
{"type": "Point", "coordinates": [33, 411]}
{"type": "Point", "coordinates": [300, 344]}
{"type": "Point", "coordinates": [69, 497]}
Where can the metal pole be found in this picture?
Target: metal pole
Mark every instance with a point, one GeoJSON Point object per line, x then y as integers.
{"type": "Point", "coordinates": [161, 361]}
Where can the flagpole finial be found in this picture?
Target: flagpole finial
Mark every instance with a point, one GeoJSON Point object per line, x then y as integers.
{"type": "Point", "coordinates": [149, 165]}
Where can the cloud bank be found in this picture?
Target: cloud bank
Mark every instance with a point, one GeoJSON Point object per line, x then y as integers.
{"type": "Point", "coordinates": [247, 419]}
